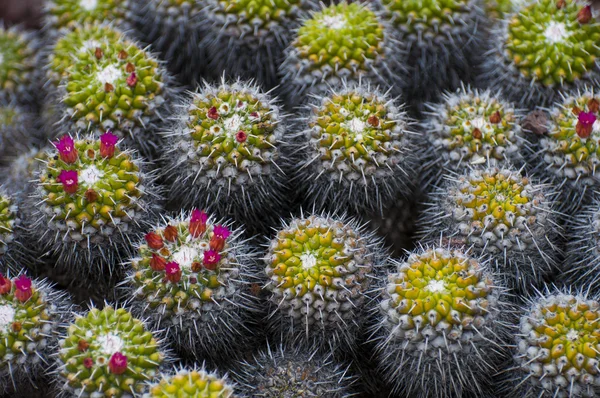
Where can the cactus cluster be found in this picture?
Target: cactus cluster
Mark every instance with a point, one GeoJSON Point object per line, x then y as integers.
{"type": "Point", "coordinates": [91, 198]}
{"type": "Point", "coordinates": [569, 152]}
{"type": "Point", "coordinates": [341, 42]}
{"type": "Point", "coordinates": [225, 152]}
{"type": "Point", "coordinates": [545, 47]}
{"type": "Point", "coordinates": [192, 278]}
{"type": "Point", "coordinates": [356, 150]}
{"type": "Point", "coordinates": [70, 14]}
{"type": "Point", "coordinates": [440, 323]}
{"type": "Point", "coordinates": [31, 312]}
{"type": "Point", "coordinates": [557, 348]}
{"type": "Point", "coordinates": [18, 65]}
{"type": "Point", "coordinates": [107, 353]}
{"type": "Point", "coordinates": [500, 213]}
{"type": "Point", "coordinates": [471, 127]}
{"type": "Point", "coordinates": [193, 383]}
{"type": "Point", "coordinates": [106, 82]}
{"type": "Point", "coordinates": [320, 271]}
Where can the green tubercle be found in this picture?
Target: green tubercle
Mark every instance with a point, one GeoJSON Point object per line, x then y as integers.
{"type": "Point", "coordinates": [73, 13]}
{"type": "Point", "coordinates": [415, 16]}
{"type": "Point", "coordinates": [259, 13]}
{"type": "Point", "coordinates": [191, 384]}
{"type": "Point", "coordinates": [343, 36]}
{"type": "Point", "coordinates": [547, 41]}
{"type": "Point", "coordinates": [109, 352]}
{"type": "Point", "coordinates": [8, 115]}
{"type": "Point", "coordinates": [17, 61]}
{"type": "Point", "coordinates": [7, 220]}
{"type": "Point", "coordinates": [499, 9]}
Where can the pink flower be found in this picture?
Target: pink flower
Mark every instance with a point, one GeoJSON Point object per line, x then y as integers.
{"type": "Point", "coordinates": [88, 362]}
{"type": "Point", "coordinates": [66, 149]}
{"type": "Point", "coordinates": [212, 113]}
{"type": "Point", "coordinates": [198, 223]}
{"type": "Point", "coordinates": [23, 289]}
{"type": "Point", "coordinates": [5, 284]}
{"type": "Point", "coordinates": [585, 124]}
{"type": "Point", "coordinates": [132, 79]}
{"type": "Point", "coordinates": [108, 141]}
{"type": "Point", "coordinates": [220, 233]}
{"type": "Point", "coordinates": [69, 180]}
{"type": "Point", "coordinates": [241, 136]}
{"type": "Point", "coordinates": [117, 363]}
{"type": "Point", "coordinates": [211, 259]}
{"type": "Point", "coordinates": [173, 272]}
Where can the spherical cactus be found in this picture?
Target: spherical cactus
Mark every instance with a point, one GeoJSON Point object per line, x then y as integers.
{"type": "Point", "coordinates": [343, 42]}
{"type": "Point", "coordinates": [70, 14]}
{"type": "Point", "coordinates": [107, 83]}
{"type": "Point", "coordinates": [92, 197]}
{"type": "Point", "coordinates": [247, 38]}
{"type": "Point", "coordinates": [173, 28]}
{"type": "Point", "coordinates": [570, 153]}
{"type": "Point", "coordinates": [17, 176]}
{"type": "Point", "coordinates": [225, 152]}
{"type": "Point", "coordinates": [471, 127]}
{"type": "Point", "coordinates": [192, 383]}
{"type": "Point", "coordinates": [17, 131]}
{"type": "Point", "coordinates": [31, 312]}
{"type": "Point", "coordinates": [18, 65]}
{"type": "Point", "coordinates": [284, 372]}
{"type": "Point", "coordinates": [107, 353]}
{"type": "Point", "coordinates": [557, 349]}
{"type": "Point", "coordinates": [10, 219]}
{"type": "Point", "coordinates": [439, 42]}
{"type": "Point", "coordinates": [356, 150]}
{"type": "Point", "coordinates": [320, 271]}
{"type": "Point", "coordinates": [440, 326]}
{"type": "Point", "coordinates": [500, 213]}
{"type": "Point", "coordinates": [192, 277]}
{"type": "Point", "coordinates": [545, 47]}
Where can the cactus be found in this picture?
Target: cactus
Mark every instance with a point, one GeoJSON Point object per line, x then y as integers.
{"type": "Point", "coordinates": [557, 348]}
{"type": "Point", "coordinates": [569, 152]}
{"type": "Point", "coordinates": [248, 38]}
{"type": "Point", "coordinates": [320, 271]}
{"type": "Point", "coordinates": [192, 277]}
{"type": "Point", "coordinates": [545, 47]}
{"type": "Point", "coordinates": [107, 353]}
{"type": "Point", "coordinates": [500, 213]}
{"type": "Point", "coordinates": [17, 131]}
{"type": "Point", "coordinates": [91, 198]}
{"type": "Point", "coordinates": [225, 152]}
{"type": "Point", "coordinates": [107, 82]}
{"type": "Point", "coordinates": [356, 150]}
{"type": "Point", "coordinates": [343, 42]}
{"type": "Point", "coordinates": [440, 325]}
{"type": "Point", "coordinates": [19, 52]}
{"type": "Point", "coordinates": [193, 383]}
{"type": "Point", "coordinates": [440, 41]}
{"type": "Point", "coordinates": [173, 28]}
{"type": "Point", "coordinates": [61, 15]}
{"type": "Point", "coordinates": [10, 220]}
{"type": "Point", "coordinates": [471, 127]}
{"type": "Point", "coordinates": [31, 312]}
{"type": "Point", "coordinates": [284, 372]}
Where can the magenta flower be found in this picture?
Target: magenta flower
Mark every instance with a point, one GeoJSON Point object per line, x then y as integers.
{"type": "Point", "coordinates": [585, 124]}
{"type": "Point", "coordinates": [66, 149]}
{"type": "Point", "coordinates": [69, 180]}
{"type": "Point", "coordinates": [211, 259]}
{"type": "Point", "coordinates": [221, 231]}
{"type": "Point", "coordinates": [117, 363]}
{"type": "Point", "coordinates": [23, 288]}
{"type": "Point", "coordinates": [108, 141]}
{"type": "Point", "coordinates": [173, 272]}
{"type": "Point", "coordinates": [198, 223]}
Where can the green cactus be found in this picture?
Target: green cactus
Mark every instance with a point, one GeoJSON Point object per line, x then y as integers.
{"type": "Point", "coordinates": [30, 314]}
{"type": "Point", "coordinates": [441, 322]}
{"type": "Point", "coordinates": [544, 48]}
{"type": "Point", "coordinates": [18, 131]}
{"type": "Point", "coordinates": [343, 42]}
{"type": "Point", "coordinates": [19, 80]}
{"type": "Point", "coordinates": [108, 353]}
{"type": "Point", "coordinates": [70, 14]}
{"type": "Point", "coordinates": [8, 218]}
{"type": "Point", "coordinates": [191, 383]}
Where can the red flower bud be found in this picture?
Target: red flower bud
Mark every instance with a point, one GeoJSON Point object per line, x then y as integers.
{"type": "Point", "coordinates": [170, 233]}
{"type": "Point", "coordinates": [198, 223]}
{"type": "Point", "coordinates": [212, 113]}
{"type": "Point", "coordinates": [241, 136]}
{"type": "Point", "coordinates": [157, 263]}
{"type": "Point", "coordinates": [88, 362]}
{"type": "Point", "coordinates": [154, 240]}
{"type": "Point", "coordinates": [5, 284]}
{"type": "Point", "coordinates": [132, 79]}
{"type": "Point", "coordinates": [584, 15]}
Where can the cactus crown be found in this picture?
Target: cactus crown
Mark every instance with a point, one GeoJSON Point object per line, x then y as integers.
{"type": "Point", "coordinates": [91, 186]}
{"type": "Point", "coordinates": [415, 15]}
{"type": "Point", "coordinates": [185, 264]}
{"type": "Point", "coordinates": [357, 130]}
{"type": "Point", "coordinates": [196, 383]}
{"type": "Point", "coordinates": [233, 127]}
{"type": "Point", "coordinates": [439, 289]}
{"type": "Point", "coordinates": [260, 15]}
{"type": "Point", "coordinates": [573, 135]}
{"type": "Point", "coordinates": [8, 215]}
{"type": "Point", "coordinates": [553, 41]}
{"type": "Point", "coordinates": [25, 320]}
{"type": "Point", "coordinates": [343, 36]}
{"type": "Point", "coordinates": [558, 345]}
{"type": "Point", "coordinates": [17, 60]}
{"type": "Point", "coordinates": [72, 13]}
{"type": "Point", "coordinates": [474, 127]}
{"type": "Point", "coordinates": [110, 352]}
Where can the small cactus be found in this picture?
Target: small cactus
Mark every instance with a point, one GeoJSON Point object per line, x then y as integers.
{"type": "Point", "coordinates": [192, 277]}
{"type": "Point", "coordinates": [107, 353]}
{"type": "Point", "coordinates": [440, 325]}
{"type": "Point", "coordinates": [61, 15]}
{"type": "Point", "coordinates": [192, 383]}
{"type": "Point", "coordinates": [18, 131]}
{"type": "Point", "coordinates": [19, 52]}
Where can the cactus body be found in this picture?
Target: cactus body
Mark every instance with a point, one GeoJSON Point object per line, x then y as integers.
{"type": "Point", "coordinates": [65, 15]}
{"type": "Point", "coordinates": [192, 383]}
{"type": "Point", "coordinates": [19, 79]}
{"type": "Point", "coordinates": [18, 131]}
